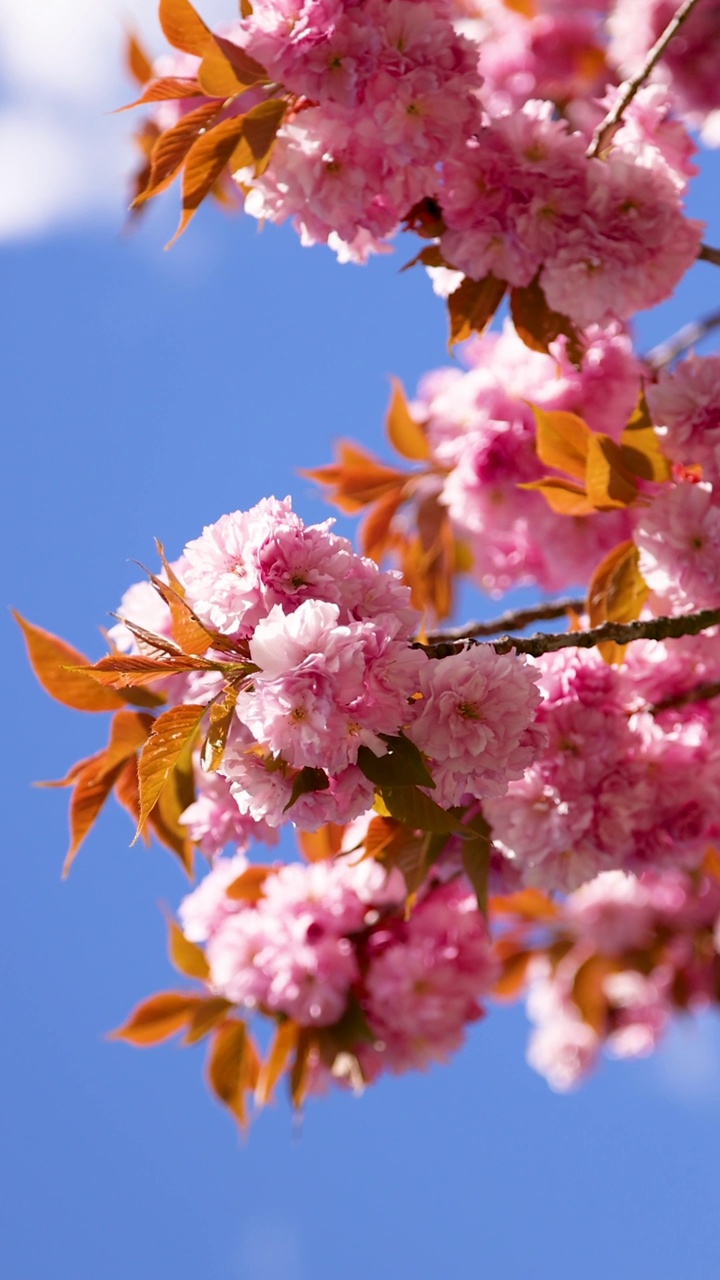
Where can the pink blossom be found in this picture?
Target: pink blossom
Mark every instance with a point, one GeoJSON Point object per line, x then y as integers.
{"type": "Point", "coordinates": [678, 538]}
{"type": "Point", "coordinates": [685, 406]}
{"type": "Point", "coordinates": [474, 722]}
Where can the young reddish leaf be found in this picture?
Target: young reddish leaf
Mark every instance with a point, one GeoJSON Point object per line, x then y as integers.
{"type": "Point", "coordinates": [176, 796]}
{"type": "Point", "coordinates": [171, 733]}
{"type": "Point", "coordinates": [227, 70]}
{"type": "Point", "coordinates": [222, 715]}
{"type": "Point", "coordinates": [617, 593]}
{"type": "Point", "coordinates": [472, 306]}
{"type": "Point", "coordinates": [208, 1013]}
{"type": "Point", "coordinates": [357, 478]}
{"type": "Point", "coordinates": [249, 884]}
{"type": "Point", "coordinates": [259, 130]}
{"type": "Point", "coordinates": [121, 670]}
{"type": "Point", "coordinates": [375, 532]}
{"type": "Point", "coordinates": [128, 732]}
{"type": "Point", "coordinates": [283, 1043]}
{"type": "Point", "coordinates": [641, 453]}
{"type": "Point", "coordinates": [529, 904]}
{"type": "Point", "coordinates": [93, 785]}
{"type": "Point", "coordinates": [538, 325]}
{"type": "Point", "coordinates": [379, 836]}
{"type": "Point", "coordinates": [187, 958]}
{"type": "Point", "coordinates": [404, 433]}
{"type": "Point", "coordinates": [204, 163]}
{"type": "Point", "coordinates": [232, 1067]}
{"type": "Point", "coordinates": [563, 440]}
{"type": "Point", "coordinates": [188, 632]}
{"type": "Point", "coordinates": [711, 863]}
{"type": "Point", "coordinates": [171, 148]}
{"type": "Point", "coordinates": [166, 89]}
{"type": "Point", "coordinates": [609, 485]}
{"type": "Point", "coordinates": [430, 256]}
{"type": "Point", "coordinates": [127, 793]}
{"type": "Point", "coordinates": [316, 846]}
{"type": "Point", "coordinates": [56, 664]}
{"type": "Point", "coordinates": [564, 497]}
{"type": "Point", "coordinates": [137, 62]}
{"type": "Point", "coordinates": [158, 1018]}
{"type": "Point", "coordinates": [183, 28]}
{"type": "Point", "coordinates": [407, 851]}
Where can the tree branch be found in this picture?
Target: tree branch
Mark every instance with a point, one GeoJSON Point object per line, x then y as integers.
{"type": "Point", "coordinates": [708, 254]}
{"type": "Point", "coordinates": [607, 127]}
{"type": "Point", "coordinates": [663, 628]}
{"type": "Point", "coordinates": [513, 620]}
{"type": "Point", "coordinates": [665, 352]}
{"type": "Point", "coordinates": [700, 693]}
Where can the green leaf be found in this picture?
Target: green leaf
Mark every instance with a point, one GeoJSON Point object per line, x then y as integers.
{"type": "Point", "coordinates": [412, 807]}
{"type": "Point", "coordinates": [305, 782]}
{"type": "Point", "coordinates": [403, 764]}
{"type": "Point", "coordinates": [476, 859]}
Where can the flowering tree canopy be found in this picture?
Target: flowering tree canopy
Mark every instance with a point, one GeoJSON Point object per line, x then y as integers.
{"type": "Point", "coordinates": [480, 815]}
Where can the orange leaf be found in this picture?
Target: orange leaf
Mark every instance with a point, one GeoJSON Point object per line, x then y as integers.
{"type": "Point", "coordinates": [52, 661]}
{"type": "Point", "coordinates": [93, 785]}
{"type": "Point", "coordinates": [184, 28]}
{"type": "Point", "coordinates": [404, 433]}
{"type": "Point", "coordinates": [530, 904]}
{"type": "Point", "coordinates": [563, 440]}
{"type": "Point", "coordinates": [472, 306]}
{"type": "Point", "coordinates": [316, 846]}
{"type": "Point", "coordinates": [375, 532]}
{"type": "Point", "coordinates": [157, 1018]}
{"type": "Point", "coordinates": [587, 990]}
{"type": "Point", "coordinates": [137, 62]}
{"type": "Point", "coordinates": [118, 670]}
{"type": "Point", "coordinates": [206, 1016]}
{"type": "Point", "coordinates": [171, 733]}
{"type": "Point", "coordinates": [357, 477]}
{"type": "Point", "coordinates": [230, 1067]}
{"type": "Point", "coordinates": [284, 1042]}
{"type": "Point", "coordinates": [128, 732]}
{"type": "Point", "coordinates": [512, 977]}
{"type": "Point", "coordinates": [259, 130]}
{"type": "Point", "coordinates": [609, 484]}
{"type": "Point", "coordinates": [127, 793]}
{"type": "Point", "coordinates": [222, 715]}
{"type": "Point", "coordinates": [617, 593]}
{"type": "Point", "coordinates": [204, 163]}
{"type": "Point", "coordinates": [248, 887]}
{"type": "Point", "coordinates": [562, 496]}
{"type": "Point", "coordinates": [227, 70]}
{"type": "Point", "coordinates": [172, 147]}
{"type": "Point", "coordinates": [299, 1074]}
{"type": "Point", "coordinates": [166, 89]}
{"type": "Point", "coordinates": [641, 452]}
{"type": "Point", "coordinates": [538, 325]}
{"type": "Point", "coordinates": [187, 958]}
{"type": "Point", "coordinates": [711, 863]}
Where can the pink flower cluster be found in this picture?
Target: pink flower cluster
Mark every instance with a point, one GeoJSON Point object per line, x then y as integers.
{"type": "Point", "coordinates": [481, 433]}
{"type": "Point", "coordinates": [388, 88]}
{"type": "Point", "coordinates": [607, 237]}
{"type": "Point", "coordinates": [620, 784]}
{"type": "Point", "coordinates": [652, 945]}
{"type": "Point", "coordinates": [325, 935]}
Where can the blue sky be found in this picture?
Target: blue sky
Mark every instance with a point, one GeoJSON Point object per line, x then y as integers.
{"type": "Point", "coordinates": [145, 394]}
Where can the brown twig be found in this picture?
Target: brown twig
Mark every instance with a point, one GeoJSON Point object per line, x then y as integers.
{"type": "Point", "coordinates": [662, 628]}
{"type": "Point", "coordinates": [665, 352]}
{"type": "Point", "coordinates": [700, 693]}
{"type": "Point", "coordinates": [708, 254]}
{"type": "Point", "coordinates": [513, 620]}
{"type": "Point", "coordinates": [607, 127]}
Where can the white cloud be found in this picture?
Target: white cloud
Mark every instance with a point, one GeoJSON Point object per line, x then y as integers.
{"type": "Point", "coordinates": [62, 156]}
